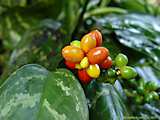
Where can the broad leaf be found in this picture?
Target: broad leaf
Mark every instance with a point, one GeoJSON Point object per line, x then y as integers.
{"type": "Point", "coordinates": [141, 6]}
{"type": "Point", "coordinates": [140, 33]}
{"type": "Point", "coordinates": [148, 73]}
{"type": "Point", "coordinates": [42, 45]}
{"type": "Point", "coordinates": [105, 102]}
{"type": "Point", "coordinates": [34, 92]}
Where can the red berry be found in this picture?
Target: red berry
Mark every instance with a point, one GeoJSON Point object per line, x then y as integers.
{"type": "Point", "coordinates": [107, 63]}
{"type": "Point", "coordinates": [83, 76]}
{"type": "Point", "coordinates": [98, 36]}
{"type": "Point", "coordinates": [70, 65]}
{"type": "Point", "coordinates": [97, 55]}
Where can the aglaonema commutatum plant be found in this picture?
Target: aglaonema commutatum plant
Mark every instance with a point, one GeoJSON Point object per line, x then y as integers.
{"type": "Point", "coordinates": [32, 91]}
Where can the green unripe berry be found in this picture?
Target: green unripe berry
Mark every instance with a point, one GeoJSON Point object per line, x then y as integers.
{"type": "Point", "coordinates": [130, 93]}
{"type": "Point", "coordinates": [111, 72]}
{"type": "Point", "coordinates": [132, 82]}
{"type": "Point", "coordinates": [151, 86]}
{"type": "Point", "coordinates": [128, 72]}
{"type": "Point", "coordinates": [121, 60]}
{"type": "Point", "coordinates": [141, 90]}
{"type": "Point", "coordinates": [138, 99]}
{"type": "Point", "coordinates": [155, 95]}
{"type": "Point", "coordinates": [134, 92]}
{"type": "Point", "coordinates": [148, 97]}
{"type": "Point", "coordinates": [141, 87]}
{"type": "Point", "coordinates": [75, 43]}
{"type": "Point", "coordinates": [141, 82]}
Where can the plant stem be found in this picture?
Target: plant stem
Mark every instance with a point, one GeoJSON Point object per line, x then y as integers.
{"type": "Point", "coordinates": [80, 20]}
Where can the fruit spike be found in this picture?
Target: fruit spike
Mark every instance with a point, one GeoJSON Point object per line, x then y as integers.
{"type": "Point", "coordinates": [86, 56]}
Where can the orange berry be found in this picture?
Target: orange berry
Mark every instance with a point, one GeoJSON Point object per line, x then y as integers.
{"type": "Point", "coordinates": [97, 55]}
{"type": "Point", "coordinates": [72, 54]}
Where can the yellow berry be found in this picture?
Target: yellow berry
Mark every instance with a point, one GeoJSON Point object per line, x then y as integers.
{"type": "Point", "coordinates": [78, 66]}
{"type": "Point", "coordinates": [87, 43]}
{"type": "Point", "coordinates": [84, 62]}
{"type": "Point", "coordinates": [93, 71]}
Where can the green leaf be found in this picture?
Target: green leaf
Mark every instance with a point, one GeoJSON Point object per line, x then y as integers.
{"type": "Point", "coordinates": [152, 109]}
{"type": "Point", "coordinates": [141, 6]}
{"type": "Point", "coordinates": [149, 73]}
{"type": "Point", "coordinates": [69, 94]}
{"type": "Point", "coordinates": [139, 32]}
{"type": "Point", "coordinates": [18, 24]}
{"type": "Point", "coordinates": [42, 44]}
{"type": "Point", "coordinates": [35, 93]}
{"type": "Point", "coordinates": [27, 4]}
{"type": "Point", "coordinates": [105, 102]}
{"type": "Point", "coordinates": [16, 20]}
{"type": "Point", "coordinates": [113, 47]}
{"type": "Point", "coordinates": [103, 11]}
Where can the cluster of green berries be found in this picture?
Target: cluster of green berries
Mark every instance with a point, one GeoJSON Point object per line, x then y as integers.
{"type": "Point", "coordinates": [119, 69]}
{"type": "Point", "coordinates": [126, 72]}
{"type": "Point", "coordinates": [142, 92]}
{"type": "Point", "coordinates": [136, 88]}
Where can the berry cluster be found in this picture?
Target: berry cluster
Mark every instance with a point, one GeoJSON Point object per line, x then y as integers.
{"type": "Point", "coordinates": [140, 91]}
{"type": "Point", "coordinates": [119, 70]}
{"type": "Point", "coordinates": [137, 89]}
{"type": "Point", "coordinates": [126, 72]}
{"type": "Point", "coordinates": [91, 60]}
{"type": "Point", "coordinates": [87, 56]}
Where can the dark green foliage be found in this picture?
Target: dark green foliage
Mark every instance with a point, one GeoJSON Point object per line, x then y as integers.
{"type": "Point", "coordinates": [105, 102]}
